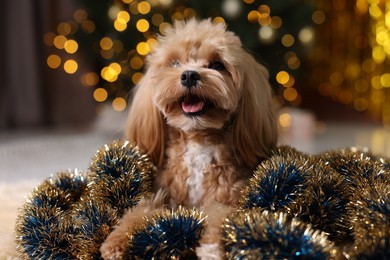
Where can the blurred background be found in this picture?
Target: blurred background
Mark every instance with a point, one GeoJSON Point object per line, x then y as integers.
{"type": "Point", "coordinates": [68, 66]}
{"type": "Point", "coordinates": [66, 62]}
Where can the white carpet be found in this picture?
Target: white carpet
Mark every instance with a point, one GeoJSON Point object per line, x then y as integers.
{"type": "Point", "coordinates": [27, 158]}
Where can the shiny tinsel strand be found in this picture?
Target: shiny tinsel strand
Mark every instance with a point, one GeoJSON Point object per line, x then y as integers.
{"type": "Point", "coordinates": [43, 229]}
{"type": "Point", "coordinates": [286, 151]}
{"type": "Point", "coordinates": [323, 204]}
{"type": "Point", "coordinates": [172, 234]}
{"type": "Point", "coordinates": [370, 215]}
{"type": "Point", "coordinates": [94, 223]}
{"type": "Point", "coordinates": [118, 158]}
{"type": "Point", "coordinates": [251, 234]}
{"type": "Point", "coordinates": [277, 183]}
{"type": "Point", "coordinates": [356, 166]}
{"type": "Point", "coordinates": [122, 175]}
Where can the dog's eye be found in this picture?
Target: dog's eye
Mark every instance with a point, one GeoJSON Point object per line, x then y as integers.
{"type": "Point", "coordinates": [175, 63]}
{"type": "Point", "coordinates": [217, 65]}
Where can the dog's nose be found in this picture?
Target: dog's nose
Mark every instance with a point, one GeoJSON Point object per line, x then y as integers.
{"type": "Point", "coordinates": [189, 78]}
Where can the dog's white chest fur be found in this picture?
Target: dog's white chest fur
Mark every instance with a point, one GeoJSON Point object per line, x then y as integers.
{"type": "Point", "coordinates": [196, 158]}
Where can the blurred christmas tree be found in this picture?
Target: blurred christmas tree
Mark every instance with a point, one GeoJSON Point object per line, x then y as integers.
{"type": "Point", "coordinates": [118, 34]}
{"type": "Point", "coordinates": [339, 48]}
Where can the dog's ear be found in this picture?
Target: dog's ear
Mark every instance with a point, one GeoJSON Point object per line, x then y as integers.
{"type": "Point", "coordinates": [145, 125]}
{"type": "Point", "coordinates": [255, 132]}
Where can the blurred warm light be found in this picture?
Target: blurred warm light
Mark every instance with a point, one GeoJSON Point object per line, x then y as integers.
{"type": "Point", "coordinates": [80, 15]}
{"type": "Point", "coordinates": [70, 66]}
{"type": "Point", "coordinates": [306, 35]}
{"type": "Point", "coordinates": [276, 22]}
{"type": "Point", "coordinates": [378, 54]}
{"type": "Point", "coordinates": [116, 67]}
{"type": "Point", "coordinates": [64, 29]}
{"type": "Point", "coordinates": [189, 13]}
{"type": "Point", "coordinates": [143, 48]}
{"type": "Point", "coordinates": [59, 41]}
{"type": "Point", "coordinates": [142, 25]}
{"type": "Point", "coordinates": [119, 104]}
{"type": "Point", "coordinates": [100, 94]}
{"type": "Point", "coordinates": [152, 42]}
{"type": "Point", "coordinates": [123, 17]}
{"type": "Point", "coordinates": [177, 16]}
{"type": "Point", "coordinates": [119, 26]}
{"type": "Point", "coordinates": [111, 72]}
{"type": "Point", "coordinates": [385, 80]}
{"type": "Point", "coordinates": [157, 19]}
{"type": "Point", "coordinates": [71, 46]}
{"type": "Point", "coordinates": [253, 16]}
{"type": "Point", "coordinates": [89, 79]}
{"type": "Point", "coordinates": [136, 63]}
{"type": "Point", "coordinates": [53, 61]}
{"type": "Point", "coordinates": [266, 34]}
{"type": "Point", "coordinates": [290, 82]}
{"type": "Point", "coordinates": [136, 78]}
{"type": "Point", "coordinates": [219, 19]}
{"type": "Point", "coordinates": [318, 17]}
{"type": "Point", "coordinates": [294, 62]}
{"type": "Point", "coordinates": [285, 120]}
{"type": "Point", "coordinates": [264, 10]}
{"type": "Point", "coordinates": [288, 40]}
{"type": "Point", "coordinates": [290, 94]}
{"type": "Point", "coordinates": [162, 27]}
{"type": "Point", "coordinates": [249, 1]}
{"type": "Point", "coordinates": [144, 7]}
{"type": "Point", "coordinates": [282, 77]}
{"type": "Point", "coordinates": [106, 43]}
{"type": "Point", "coordinates": [113, 11]}
{"type": "Point", "coordinates": [88, 26]}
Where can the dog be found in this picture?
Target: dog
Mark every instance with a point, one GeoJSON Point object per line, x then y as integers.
{"type": "Point", "coordinates": [203, 113]}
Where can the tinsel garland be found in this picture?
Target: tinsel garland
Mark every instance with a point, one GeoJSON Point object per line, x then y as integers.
{"type": "Point", "coordinates": [357, 166]}
{"type": "Point", "coordinates": [43, 227]}
{"type": "Point", "coordinates": [171, 234]}
{"type": "Point", "coordinates": [94, 222]}
{"type": "Point", "coordinates": [251, 234]}
{"type": "Point", "coordinates": [370, 216]}
{"type": "Point", "coordinates": [292, 200]}
{"type": "Point", "coordinates": [323, 203]}
{"type": "Point", "coordinates": [277, 183]}
{"type": "Point", "coordinates": [122, 175]}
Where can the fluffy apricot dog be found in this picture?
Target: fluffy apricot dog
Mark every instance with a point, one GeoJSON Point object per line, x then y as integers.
{"type": "Point", "coordinates": [203, 113]}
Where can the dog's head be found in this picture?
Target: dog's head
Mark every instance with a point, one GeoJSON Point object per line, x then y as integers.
{"type": "Point", "coordinates": [199, 78]}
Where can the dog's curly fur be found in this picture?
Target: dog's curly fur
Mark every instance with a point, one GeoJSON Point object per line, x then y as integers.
{"type": "Point", "coordinates": [203, 113]}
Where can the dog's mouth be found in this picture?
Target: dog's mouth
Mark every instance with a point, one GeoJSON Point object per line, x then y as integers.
{"type": "Point", "coordinates": [193, 105]}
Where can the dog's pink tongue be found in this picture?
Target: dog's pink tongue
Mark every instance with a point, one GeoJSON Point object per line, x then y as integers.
{"type": "Point", "coordinates": [192, 107]}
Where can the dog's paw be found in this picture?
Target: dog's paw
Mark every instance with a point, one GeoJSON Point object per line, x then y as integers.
{"type": "Point", "coordinates": [208, 252]}
{"type": "Point", "coordinates": [114, 246]}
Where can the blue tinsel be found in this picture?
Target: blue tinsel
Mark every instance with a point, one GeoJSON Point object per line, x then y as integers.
{"type": "Point", "coordinates": [172, 234]}
{"type": "Point", "coordinates": [275, 188]}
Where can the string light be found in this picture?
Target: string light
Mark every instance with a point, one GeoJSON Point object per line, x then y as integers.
{"type": "Point", "coordinates": [355, 73]}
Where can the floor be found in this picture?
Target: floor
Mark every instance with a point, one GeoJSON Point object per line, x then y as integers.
{"type": "Point", "coordinates": [28, 157]}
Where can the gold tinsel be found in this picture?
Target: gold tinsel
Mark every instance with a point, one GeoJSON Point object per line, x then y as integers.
{"type": "Point", "coordinates": [170, 234]}
{"type": "Point", "coordinates": [251, 234]}
{"type": "Point", "coordinates": [278, 182]}
{"type": "Point", "coordinates": [121, 175]}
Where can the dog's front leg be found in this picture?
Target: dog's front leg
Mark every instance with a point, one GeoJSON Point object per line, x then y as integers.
{"type": "Point", "coordinates": [114, 245]}
{"type": "Point", "coordinates": [210, 243]}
